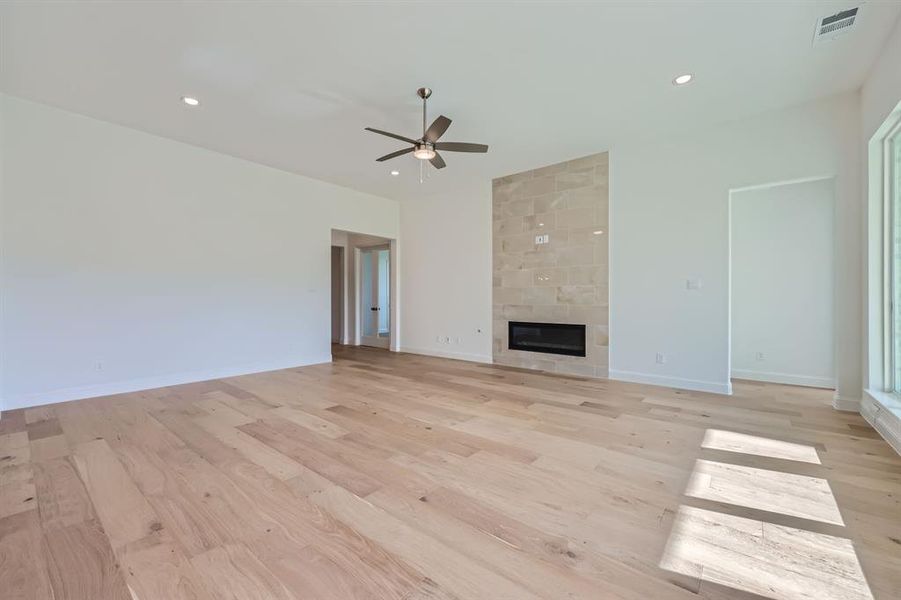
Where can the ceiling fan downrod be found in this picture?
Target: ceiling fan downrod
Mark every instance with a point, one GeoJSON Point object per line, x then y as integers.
{"type": "Point", "coordinates": [424, 93]}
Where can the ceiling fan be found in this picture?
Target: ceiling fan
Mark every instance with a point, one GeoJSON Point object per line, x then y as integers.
{"type": "Point", "coordinates": [427, 147]}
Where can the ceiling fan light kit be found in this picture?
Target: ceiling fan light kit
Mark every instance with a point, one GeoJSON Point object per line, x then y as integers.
{"type": "Point", "coordinates": [427, 147]}
{"type": "Point", "coordinates": [424, 152]}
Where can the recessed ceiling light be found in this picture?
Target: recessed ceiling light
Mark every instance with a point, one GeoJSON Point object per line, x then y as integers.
{"type": "Point", "coordinates": [683, 79]}
{"type": "Point", "coordinates": [395, 173]}
{"type": "Point", "coordinates": [190, 101]}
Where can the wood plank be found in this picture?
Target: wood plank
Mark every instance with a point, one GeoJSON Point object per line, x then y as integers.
{"type": "Point", "coordinates": [156, 569]}
{"type": "Point", "coordinates": [48, 448]}
{"type": "Point", "coordinates": [23, 566]}
{"type": "Point", "coordinates": [62, 498]}
{"type": "Point", "coordinates": [304, 524]}
{"type": "Point", "coordinates": [185, 514]}
{"type": "Point", "coordinates": [232, 571]}
{"type": "Point", "coordinates": [448, 567]}
{"type": "Point", "coordinates": [12, 421]}
{"type": "Point", "coordinates": [310, 421]}
{"type": "Point", "coordinates": [123, 510]}
{"type": "Point", "coordinates": [223, 412]}
{"type": "Point", "coordinates": [270, 459]}
{"type": "Point", "coordinates": [82, 564]}
{"type": "Point", "coordinates": [14, 450]}
{"type": "Point", "coordinates": [285, 437]}
{"type": "Point", "coordinates": [42, 429]}
{"type": "Point", "coordinates": [17, 496]}
{"type": "Point", "coordinates": [540, 577]}
{"type": "Point", "coordinates": [39, 413]}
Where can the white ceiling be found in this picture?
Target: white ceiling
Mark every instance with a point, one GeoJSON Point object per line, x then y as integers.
{"type": "Point", "coordinates": [292, 85]}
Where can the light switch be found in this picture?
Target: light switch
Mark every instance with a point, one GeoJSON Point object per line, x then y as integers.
{"type": "Point", "coordinates": [692, 284]}
{"type": "Point", "coordinates": [544, 238]}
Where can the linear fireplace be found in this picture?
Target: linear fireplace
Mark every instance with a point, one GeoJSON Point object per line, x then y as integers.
{"type": "Point", "coordinates": [550, 338]}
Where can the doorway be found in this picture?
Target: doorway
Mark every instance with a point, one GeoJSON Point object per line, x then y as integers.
{"type": "Point", "coordinates": [782, 290]}
{"type": "Point", "coordinates": [365, 280]}
{"type": "Point", "coordinates": [375, 296]}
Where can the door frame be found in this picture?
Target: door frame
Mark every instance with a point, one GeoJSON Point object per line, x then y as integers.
{"type": "Point", "coordinates": [341, 293]}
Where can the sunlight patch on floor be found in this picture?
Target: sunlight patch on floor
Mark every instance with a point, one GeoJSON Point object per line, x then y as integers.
{"type": "Point", "coordinates": [773, 561]}
{"type": "Point", "coordinates": [773, 491]}
{"type": "Point", "coordinates": [766, 559]}
{"type": "Point", "coordinates": [730, 441]}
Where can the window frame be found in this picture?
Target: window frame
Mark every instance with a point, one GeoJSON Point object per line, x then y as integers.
{"type": "Point", "coordinates": [890, 238]}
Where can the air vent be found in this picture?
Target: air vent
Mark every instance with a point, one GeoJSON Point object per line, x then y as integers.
{"type": "Point", "coordinates": [833, 26]}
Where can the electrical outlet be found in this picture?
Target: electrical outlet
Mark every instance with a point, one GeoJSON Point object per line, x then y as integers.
{"type": "Point", "coordinates": [661, 358]}
{"type": "Point", "coordinates": [98, 366]}
{"type": "Point", "coordinates": [760, 356]}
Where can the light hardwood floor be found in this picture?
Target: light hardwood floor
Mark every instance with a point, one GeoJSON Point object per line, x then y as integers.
{"type": "Point", "coordinates": [407, 477]}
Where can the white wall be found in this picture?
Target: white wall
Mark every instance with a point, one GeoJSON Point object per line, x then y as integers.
{"type": "Point", "coordinates": [669, 223]}
{"type": "Point", "coordinates": [132, 261]}
{"type": "Point", "coordinates": [782, 283]}
{"type": "Point", "coordinates": [446, 274]}
{"type": "Point", "coordinates": [881, 92]}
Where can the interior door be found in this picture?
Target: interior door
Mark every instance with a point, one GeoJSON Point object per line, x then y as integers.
{"type": "Point", "coordinates": [375, 296]}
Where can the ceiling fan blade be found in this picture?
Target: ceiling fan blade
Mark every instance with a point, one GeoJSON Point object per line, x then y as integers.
{"type": "Point", "coordinates": [438, 162]}
{"type": "Point", "coordinates": [461, 147]}
{"type": "Point", "coordinates": [437, 129]}
{"type": "Point", "coordinates": [395, 154]}
{"type": "Point", "coordinates": [391, 135]}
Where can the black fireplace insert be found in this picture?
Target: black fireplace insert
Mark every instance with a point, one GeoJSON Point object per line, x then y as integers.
{"type": "Point", "coordinates": [551, 338]}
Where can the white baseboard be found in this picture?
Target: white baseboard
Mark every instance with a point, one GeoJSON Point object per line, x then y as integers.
{"type": "Point", "coordinates": [149, 383]}
{"type": "Point", "coordinates": [845, 404]}
{"type": "Point", "coordinates": [714, 387]}
{"type": "Point", "coordinates": [479, 358]}
{"type": "Point", "coordinates": [786, 378]}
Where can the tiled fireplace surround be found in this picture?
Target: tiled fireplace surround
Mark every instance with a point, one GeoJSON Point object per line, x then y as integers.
{"type": "Point", "coordinates": [563, 281]}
